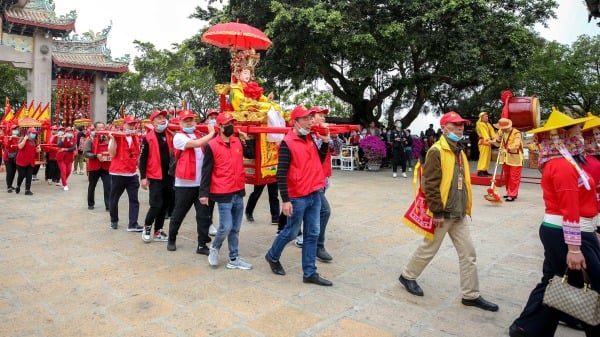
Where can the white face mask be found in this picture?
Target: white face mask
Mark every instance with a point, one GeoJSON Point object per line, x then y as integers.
{"type": "Point", "coordinates": [303, 131]}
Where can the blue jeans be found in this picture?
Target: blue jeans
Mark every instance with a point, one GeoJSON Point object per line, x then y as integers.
{"type": "Point", "coordinates": [230, 222]}
{"type": "Point", "coordinates": [305, 210]}
{"type": "Point", "coordinates": [324, 219]}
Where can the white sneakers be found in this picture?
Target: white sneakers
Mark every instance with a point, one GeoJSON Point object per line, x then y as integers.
{"type": "Point", "coordinates": [404, 174]}
{"type": "Point", "coordinates": [394, 175]}
{"type": "Point", "coordinates": [66, 188]}
{"type": "Point", "coordinates": [213, 257]}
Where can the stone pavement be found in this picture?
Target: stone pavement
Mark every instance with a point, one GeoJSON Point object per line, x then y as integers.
{"type": "Point", "coordinates": [66, 273]}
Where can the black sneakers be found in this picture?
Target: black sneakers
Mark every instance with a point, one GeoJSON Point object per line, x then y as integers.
{"type": "Point", "coordinates": [135, 228]}
{"type": "Point", "coordinates": [203, 250]}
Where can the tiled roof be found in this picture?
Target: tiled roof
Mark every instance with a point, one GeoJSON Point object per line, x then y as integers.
{"type": "Point", "coordinates": [39, 18]}
{"type": "Point", "coordinates": [88, 61]}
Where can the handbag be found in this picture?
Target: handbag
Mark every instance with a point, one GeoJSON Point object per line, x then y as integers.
{"type": "Point", "coordinates": [581, 303]}
{"type": "Point", "coordinates": [417, 217]}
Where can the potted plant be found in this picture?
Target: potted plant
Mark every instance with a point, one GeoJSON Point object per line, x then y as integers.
{"type": "Point", "coordinates": [374, 151]}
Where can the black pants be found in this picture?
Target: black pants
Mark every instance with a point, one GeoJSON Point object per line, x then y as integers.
{"type": "Point", "coordinates": [93, 177]}
{"type": "Point", "coordinates": [273, 200]}
{"type": "Point", "coordinates": [52, 171]}
{"type": "Point", "coordinates": [36, 169]}
{"type": "Point", "coordinates": [11, 171]}
{"type": "Point", "coordinates": [161, 194]}
{"type": "Point", "coordinates": [185, 197]}
{"type": "Point", "coordinates": [118, 185]}
{"type": "Point", "coordinates": [540, 320]}
{"type": "Point", "coordinates": [25, 172]}
{"type": "Point", "coordinates": [398, 157]}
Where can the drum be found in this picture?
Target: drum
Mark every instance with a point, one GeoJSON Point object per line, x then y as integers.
{"type": "Point", "coordinates": [524, 112]}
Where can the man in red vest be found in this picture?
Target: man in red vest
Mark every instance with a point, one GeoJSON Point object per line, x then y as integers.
{"type": "Point", "coordinates": [223, 179]}
{"type": "Point", "coordinates": [154, 165]}
{"type": "Point", "coordinates": [189, 154]}
{"type": "Point", "coordinates": [301, 181]}
{"type": "Point", "coordinates": [124, 149]}
{"type": "Point", "coordinates": [96, 151]}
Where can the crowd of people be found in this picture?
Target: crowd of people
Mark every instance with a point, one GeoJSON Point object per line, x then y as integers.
{"type": "Point", "coordinates": [180, 167]}
{"type": "Point", "coordinates": [186, 167]}
{"type": "Point", "coordinates": [403, 148]}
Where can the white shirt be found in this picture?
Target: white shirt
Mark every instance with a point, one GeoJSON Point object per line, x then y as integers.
{"type": "Point", "coordinates": [179, 141]}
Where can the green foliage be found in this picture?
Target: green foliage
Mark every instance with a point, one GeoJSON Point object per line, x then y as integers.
{"type": "Point", "coordinates": [387, 57]}
{"type": "Point", "coordinates": [12, 80]}
{"type": "Point", "coordinates": [567, 77]}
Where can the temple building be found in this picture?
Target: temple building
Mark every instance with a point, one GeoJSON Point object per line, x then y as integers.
{"type": "Point", "coordinates": [67, 71]}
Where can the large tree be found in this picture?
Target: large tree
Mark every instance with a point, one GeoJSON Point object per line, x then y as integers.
{"type": "Point", "coordinates": [567, 77]}
{"type": "Point", "coordinates": [12, 87]}
{"type": "Point", "coordinates": [407, 55]}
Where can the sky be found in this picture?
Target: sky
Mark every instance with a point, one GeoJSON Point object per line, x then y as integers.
{"type": "Point", "coordinates": [164, 23]}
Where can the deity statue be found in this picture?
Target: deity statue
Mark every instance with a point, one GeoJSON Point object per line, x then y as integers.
{"type": "Point", "coordinates": [245, 95]}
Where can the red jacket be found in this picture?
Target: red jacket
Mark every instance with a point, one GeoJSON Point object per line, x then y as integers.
{"type": "Point", "coordinates": [125, 160]}
{"type": "Point", "coordinates": [228, 166]}
{"type": "Point", "coordinates": [98, 146]}
{"type": "Point", "coordinates": [26, 155]}
{"type": "Point", "coordinates": [186, 164]}
{"type": "Point", "coordinates": [10, 145]}
{"type": "Point", "coordinates": [67, 144]}
{"type": "Point", "coordinates": [153, 168]}
{"type": "Point", "coordinates": [327, 164]}
{"type": "Point", "coordinates": [305, 174]}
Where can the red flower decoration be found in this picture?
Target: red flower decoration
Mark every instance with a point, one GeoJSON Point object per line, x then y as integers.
{"type": "Point", "coordinates": [253, 90]}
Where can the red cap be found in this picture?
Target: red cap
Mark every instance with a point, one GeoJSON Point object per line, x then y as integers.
{"type": "Point", "coordinates": [183, 114]}
{"type": "Point", "coordinates": [225, 118]}
{"type": "Point", "coordinates": [300, 111]}
{"type": "Point", "coordinates": [31, 130]}
{"type": "Point", "coordinates": [157, 113]}
{"type": "Point", "coordinates": [130, 120]}
{"type": "Point", "coordinates": [212, 112]}
{"type": "Point", "coordinates": [452, 117]}
{"type": "Point", "coordinates": [318, 109]}
{"type": "Point", "coordinates": [54, 127]}
{"type": "Point", "coordinates": [13, 126]}
{"type": "Point", "coordinates": [69, 129]}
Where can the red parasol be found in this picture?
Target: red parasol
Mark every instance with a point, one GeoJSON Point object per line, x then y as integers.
{"type": "Point", "coordinates": [236, 35]}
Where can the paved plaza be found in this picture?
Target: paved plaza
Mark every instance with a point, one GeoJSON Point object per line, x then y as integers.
{"type": "Point", "coordinates": [66, 273]}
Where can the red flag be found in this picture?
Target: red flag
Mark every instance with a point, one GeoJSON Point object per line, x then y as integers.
{"type": "Point", "coordinates": [8, 114]}
{"type": "Point", "coordinates": [20, 112]}
{"type": "Point", "coordinates": [37, 112]}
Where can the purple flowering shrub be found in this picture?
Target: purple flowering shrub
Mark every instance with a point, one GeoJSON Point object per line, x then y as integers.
{"type": "Point", "coordinates": [373, 148]}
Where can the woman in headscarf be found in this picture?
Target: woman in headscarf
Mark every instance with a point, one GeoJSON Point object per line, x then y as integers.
{"type": "Point", "coordinates": [567, 230]}
{"type": "Point", "coordinates": [591, 139]}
